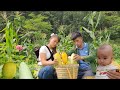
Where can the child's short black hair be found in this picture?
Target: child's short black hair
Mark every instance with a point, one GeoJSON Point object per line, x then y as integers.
{"type": "Point", "coordinates": [75, 35]}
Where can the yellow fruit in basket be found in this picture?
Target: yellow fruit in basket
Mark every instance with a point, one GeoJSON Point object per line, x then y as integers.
{"type": "Point", "coordinates": [64, 57]}
{"type": "Point", "coordinates": [57, 56]}
{"type": "Point", "coordinates": [72, 56]}
{"type": "Point", "coordinates": [72, 61]}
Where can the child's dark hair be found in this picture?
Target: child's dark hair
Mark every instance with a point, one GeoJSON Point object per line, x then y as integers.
{"type": "Point", "coordinates": [75, 35]}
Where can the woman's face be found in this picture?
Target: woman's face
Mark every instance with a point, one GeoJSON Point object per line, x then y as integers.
{"type": "Point", "coordinates": [53, 42]}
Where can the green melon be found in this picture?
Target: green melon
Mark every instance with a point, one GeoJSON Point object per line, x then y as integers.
{"type": "Point", "coordinates": [24, 71]}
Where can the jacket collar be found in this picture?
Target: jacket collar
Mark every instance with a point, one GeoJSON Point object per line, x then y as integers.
{"type": "Point", "coordinates": [84, 45]}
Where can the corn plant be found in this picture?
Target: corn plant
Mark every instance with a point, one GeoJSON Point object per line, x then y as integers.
{"type": "Point", "coordinates": [9, 33]}
{"type": "Point", "coordinates": [66, 43]}
{"type": "Point", "coordinates": [104, 36]}
{"type": "Point", "coordinates": [98, 37]}
{"type": "Point", "coordinates": [91, 30]}
{"type": "Point", "coordinates": [8, 48]}
{"type": "Point", "coordinates": [92, 26]}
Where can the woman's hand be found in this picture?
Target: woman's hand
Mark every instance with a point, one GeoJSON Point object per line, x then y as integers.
{"type": "Point", "coordinates": [113, 75]}
{"type": "Point", "coordinates": [55, 62]}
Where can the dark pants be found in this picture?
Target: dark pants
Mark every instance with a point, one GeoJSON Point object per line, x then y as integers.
{"type": "Point", "coordinates": [47, 72]}
{"type": "Point", "coordinates": [84, 70]}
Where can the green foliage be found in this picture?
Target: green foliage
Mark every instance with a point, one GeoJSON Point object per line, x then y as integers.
{"type": "Point", "coordinates": [111, 20]}
{"type": "Point", "coordinates": [36, 22]}
{"type": "Point", "coordinates": [31, 29]}
{"type": "Point", "coordinates": [65, 43]}
{"type": "Point", "coordinates": [8, 49]}
{"type": "Point", "coordinates": [9, 36]}
{"type": "Point", "coordinates": [116, 49]}
{"type": "Point", "coordinates": [92, 25]}
{"type": "Point", "coordinates": [1, 66]}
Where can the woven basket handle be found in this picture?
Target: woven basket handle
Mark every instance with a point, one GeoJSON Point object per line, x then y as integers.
{"type": "Point", "coordinates": [69, 73]}
{"type": "Point", "coordinates": [73, 73]}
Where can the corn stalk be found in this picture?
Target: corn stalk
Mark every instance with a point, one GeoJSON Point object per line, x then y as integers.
{"type": "Point", "coordinates": [9, 33]}
{"type": "Point", "coordinates": [91, 31]}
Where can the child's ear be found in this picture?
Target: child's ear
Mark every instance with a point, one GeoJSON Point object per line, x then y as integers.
{"type": "Point", "coordinates": [112, 58]}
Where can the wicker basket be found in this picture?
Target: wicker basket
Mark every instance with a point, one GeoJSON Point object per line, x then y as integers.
{"type": "Point", "coordinates": [67, 71]}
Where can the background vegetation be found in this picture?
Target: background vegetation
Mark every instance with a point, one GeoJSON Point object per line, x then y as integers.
{"type": "Point", "coordinates": [31, 29]}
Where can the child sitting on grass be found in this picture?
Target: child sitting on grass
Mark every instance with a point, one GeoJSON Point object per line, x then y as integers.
{"type": "Point", "coordinates": [105, 62]}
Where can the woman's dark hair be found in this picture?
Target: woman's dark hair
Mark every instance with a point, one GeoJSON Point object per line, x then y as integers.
{"type": "Point", "coordinates": [52, 36]}
{"type": "Point", "coordinates": [36, 51]}
{"type": "Point", "coordinates": [75, 35]}
{"type": "Point", "coordinates": [56, 37]}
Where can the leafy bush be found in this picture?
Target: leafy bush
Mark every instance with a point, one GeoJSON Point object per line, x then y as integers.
{"type": "Point", "coordinates": [116, 50]}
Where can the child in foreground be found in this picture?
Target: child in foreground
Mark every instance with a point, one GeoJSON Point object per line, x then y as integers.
{"type": "Point", "coordinates": [105, 62]}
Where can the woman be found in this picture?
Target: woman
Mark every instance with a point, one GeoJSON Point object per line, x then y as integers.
{"type": "Point", "coordinates": [46, 58]}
